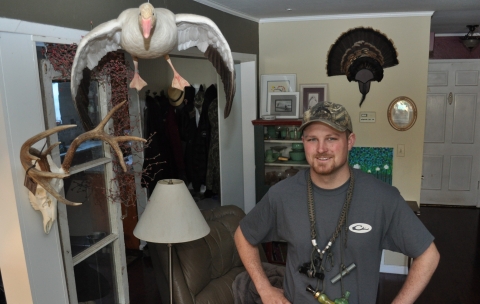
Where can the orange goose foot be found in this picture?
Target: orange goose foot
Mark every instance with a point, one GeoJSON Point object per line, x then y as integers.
{"type": "Point", "coordinates": [137, 82]}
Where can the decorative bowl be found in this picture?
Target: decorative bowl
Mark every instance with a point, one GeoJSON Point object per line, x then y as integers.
{"type": "Point", "coordinates": [269, 159]}
{"type": "Point", "coordinates": [297, 155]}
{"type": "Point", "coordinates": [297, 146]}
{"type": "Point", "coordinates": [279, 149]}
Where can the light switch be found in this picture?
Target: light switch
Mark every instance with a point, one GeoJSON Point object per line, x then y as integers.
{"type": "Point", "coordinates": [401, 150]}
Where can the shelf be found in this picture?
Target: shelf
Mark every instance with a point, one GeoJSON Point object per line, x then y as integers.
{"type": "Point", "coordinates": [276, 122]}
{"type": "Point", "coordinates": [283, 141]}
{"type": "Point", "coordinates": [289, 163]}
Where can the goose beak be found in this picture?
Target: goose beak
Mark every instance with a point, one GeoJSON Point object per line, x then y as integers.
{"type": "Point", "coordinates": [146, 27]}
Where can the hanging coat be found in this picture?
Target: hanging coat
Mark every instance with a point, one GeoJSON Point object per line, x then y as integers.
{"type": "Point", "coordinates": [159, 162]}
{"type": "Point", "coordinates": [196, 149]}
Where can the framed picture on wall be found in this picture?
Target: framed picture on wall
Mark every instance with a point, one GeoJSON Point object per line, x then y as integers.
{"type": "Point", "coordinates": [277, 83]}
{"type": "Point", "coordinates": [311, 94]}
{"type": "Point", "coordinates": [284, 105]}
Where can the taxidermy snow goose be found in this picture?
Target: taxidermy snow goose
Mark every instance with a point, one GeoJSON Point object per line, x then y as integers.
{"type": "Point", "coordinates": [148, 33]}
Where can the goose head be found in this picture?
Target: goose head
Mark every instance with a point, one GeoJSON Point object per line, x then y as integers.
{"type": "Point", "coordinates": [146, 19]}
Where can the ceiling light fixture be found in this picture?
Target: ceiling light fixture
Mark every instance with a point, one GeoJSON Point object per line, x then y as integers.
{"type": "Point", "coordinates": [470, 41]}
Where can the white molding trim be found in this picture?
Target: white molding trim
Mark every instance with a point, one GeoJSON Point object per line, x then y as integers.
{"type": "Point", "coordinates": [455, 34]}
{"type": "Point", "coordinates": [470, 60]}
{"type": "Point", "coordinates": [348, 16]}
{"type": "Point", "coordinates": [315, 17]}
{"type": "Point", "coordinates": [42, 32]}
{"type": "Point", "coordinates": [227, 10]}
{"type": "Point", "coordinates": [394, 269]}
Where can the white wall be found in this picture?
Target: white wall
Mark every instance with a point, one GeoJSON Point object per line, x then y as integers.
{"type": "Point", "coordinates": [194, 70]}
{"type": "Point", "coordinates": [301, 48]}
{"type": "Point", "coordinates": [30, 261]}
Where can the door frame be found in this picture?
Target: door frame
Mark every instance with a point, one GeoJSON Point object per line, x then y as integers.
{"type": "Point", "coordinates": [236, 133]}
{"type": "Point", "coordinates": [433, 61]}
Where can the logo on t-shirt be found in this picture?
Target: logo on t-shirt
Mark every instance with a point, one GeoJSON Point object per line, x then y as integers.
{"type": "Point", "coordinates": [360, 228]}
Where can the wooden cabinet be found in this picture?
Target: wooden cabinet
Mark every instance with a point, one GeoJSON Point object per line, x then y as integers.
{"type": "Point", "coordinates": [265, 141]}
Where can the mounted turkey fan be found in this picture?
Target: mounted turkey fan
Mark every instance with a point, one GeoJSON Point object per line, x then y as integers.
{"type": "Point", "coordinates": [361, 54]}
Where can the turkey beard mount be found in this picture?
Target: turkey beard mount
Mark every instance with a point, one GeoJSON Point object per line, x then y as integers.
{"type": "Point", "coordinates": [148, 33]}
{"type": "Point", "coordinates": [361, 54]}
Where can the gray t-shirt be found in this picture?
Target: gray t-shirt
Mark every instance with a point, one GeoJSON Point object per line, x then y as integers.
{"type": "Point", "coordinates": [282, 214]}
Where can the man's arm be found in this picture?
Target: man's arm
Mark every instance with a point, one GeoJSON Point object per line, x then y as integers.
{"type": "Point", "coordinates": [251, 260]}
{"type": "Point", "coordinates": [419, 275]}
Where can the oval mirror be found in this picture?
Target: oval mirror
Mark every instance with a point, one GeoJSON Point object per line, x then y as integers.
{"type": "Point", "coordinates": [402, 113]}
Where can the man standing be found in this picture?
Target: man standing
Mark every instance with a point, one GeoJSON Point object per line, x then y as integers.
{"type": "Point", "coordinates": [336, 221]}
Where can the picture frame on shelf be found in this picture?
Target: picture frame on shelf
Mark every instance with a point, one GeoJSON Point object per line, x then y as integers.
{"type": "Point", "coordinates": [311, 94]}
{"type": "Point", "coordinates": [275, 83]}
{"type": "Point", "coordinates": [284, 105]}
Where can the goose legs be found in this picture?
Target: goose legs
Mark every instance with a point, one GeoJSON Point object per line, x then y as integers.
{"type": "Point", "coordinates": [178, 81]}
{"type": "Point", "coordinates": [137, 82]}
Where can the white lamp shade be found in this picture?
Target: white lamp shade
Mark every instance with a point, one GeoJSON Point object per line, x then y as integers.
{"type": "Point", "coordinates": [171, 215]}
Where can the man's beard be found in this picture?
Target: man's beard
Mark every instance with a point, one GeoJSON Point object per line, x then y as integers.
{"type": "Point", "coordinates": [328, 168]}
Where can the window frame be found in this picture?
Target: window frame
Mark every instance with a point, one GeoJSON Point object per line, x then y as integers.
{"type": "Point", "coordinates": [48, 76]}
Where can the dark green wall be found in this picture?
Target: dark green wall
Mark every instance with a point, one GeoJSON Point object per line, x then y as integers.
{"type": "Point", "coordinates": [241, 34]}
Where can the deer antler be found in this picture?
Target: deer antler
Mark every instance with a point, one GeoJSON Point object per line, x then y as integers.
{"type": "Point", "coordinates": [99, 133]}
{"type": "Point", "coordinates": [44, 176]}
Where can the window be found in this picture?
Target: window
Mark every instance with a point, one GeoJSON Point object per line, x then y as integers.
{"type": "Point", "coordinates": [93, 252]}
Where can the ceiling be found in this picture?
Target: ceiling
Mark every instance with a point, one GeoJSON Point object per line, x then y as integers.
{"type": "Point", "coordinates": [450, 16]}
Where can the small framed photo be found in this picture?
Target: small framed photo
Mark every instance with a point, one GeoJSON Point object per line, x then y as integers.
{"type": "Point", "coordinates": [284, 105]}
{"type": "Point", "coordinates": [275, 83]}
{"type": "Point", "coordinates": [311, 94]}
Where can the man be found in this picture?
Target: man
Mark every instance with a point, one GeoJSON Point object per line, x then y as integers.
{"type": "Point", "coordinates": [348, 220]}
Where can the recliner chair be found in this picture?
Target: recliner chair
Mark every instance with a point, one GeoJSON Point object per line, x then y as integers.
{"type": "Point", "coordinates": [204, 269]}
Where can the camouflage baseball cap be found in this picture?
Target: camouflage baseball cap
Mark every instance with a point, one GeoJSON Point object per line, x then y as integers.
{"type": "Point", "coordinates": [332, 114]}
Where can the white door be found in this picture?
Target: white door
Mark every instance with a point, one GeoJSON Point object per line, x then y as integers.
{"type": "Point", "coordinates": [92, 234]}
{"type": "Point", "coordinates": [451, 159]}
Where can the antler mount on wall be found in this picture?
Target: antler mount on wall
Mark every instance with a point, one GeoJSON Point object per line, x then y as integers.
{"type": "Point", "coordinates": [49, 178]}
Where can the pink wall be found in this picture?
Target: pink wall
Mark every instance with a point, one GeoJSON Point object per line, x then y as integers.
{"type": "Point", "coordinates": [452, 48]}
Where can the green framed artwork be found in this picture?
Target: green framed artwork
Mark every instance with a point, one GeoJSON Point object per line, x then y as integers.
{"type": "Point", "coordinates": [376, 161]}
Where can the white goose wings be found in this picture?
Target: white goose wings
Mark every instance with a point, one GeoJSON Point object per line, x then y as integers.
{"type": "Point", "coordinates": [97, 43]}
{"type": "Point", "coordinates": [191, 30]}
{"type": "Point", "coordinates": [199, 31]}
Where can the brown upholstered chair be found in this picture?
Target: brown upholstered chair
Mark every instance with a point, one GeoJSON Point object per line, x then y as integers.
{"type": "Point", "coordinates": [203, 270]}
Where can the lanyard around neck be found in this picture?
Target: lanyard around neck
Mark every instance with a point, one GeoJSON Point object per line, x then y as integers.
{"type": "Point", "coordinates": [341, 221]}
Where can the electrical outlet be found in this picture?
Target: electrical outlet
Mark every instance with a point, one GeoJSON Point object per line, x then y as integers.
{"type": "Point", "coordinates": [401, 150]}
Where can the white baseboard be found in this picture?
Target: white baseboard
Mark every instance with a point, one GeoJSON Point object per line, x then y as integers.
{"type": "Point", "coordinates": [394, 269]}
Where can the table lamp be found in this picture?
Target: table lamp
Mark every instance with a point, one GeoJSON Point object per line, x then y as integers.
{"type": "Point", "coordinates": [171, 216]}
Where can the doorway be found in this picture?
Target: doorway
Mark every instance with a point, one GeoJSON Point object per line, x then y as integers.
{"type": "Point", "coordinates": [451, 162]}
{"type": "Point", "coordinates": [237, 150]}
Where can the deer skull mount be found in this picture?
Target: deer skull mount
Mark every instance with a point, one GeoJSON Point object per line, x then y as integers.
{"type": "Point", "coordinates": [43, 201]}
{"type": "Point", "coordinates": [49, 177]}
